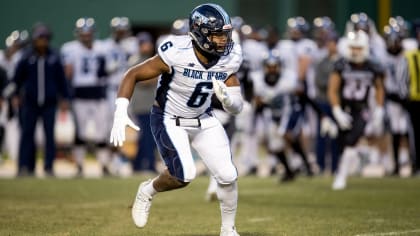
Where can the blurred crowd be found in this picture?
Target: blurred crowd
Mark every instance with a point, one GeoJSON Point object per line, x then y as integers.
{"type": "Point", "coordinates": [71, 91]}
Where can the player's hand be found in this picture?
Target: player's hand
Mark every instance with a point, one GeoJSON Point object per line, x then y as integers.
{"type": "Point", "coordinates": [378, 119]}
{"type": "Point", "coordinates": [121, 120]}
{"type": "Point", "coordinates": [221, 92]}
{"type": "Point", "coordinates": [328, 127]}
{"type": "Point", "coordinates": [343, 119]}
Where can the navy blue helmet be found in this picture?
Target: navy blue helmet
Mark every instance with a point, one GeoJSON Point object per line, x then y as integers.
{"type": "Point", "coordinates": [209, 20]}
{"type": "Point", "coordinates": [297, 28]}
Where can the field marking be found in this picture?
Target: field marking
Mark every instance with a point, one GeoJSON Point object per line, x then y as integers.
{"type": "Point", "coordinates": [390, 233]}
{"type": "Point", "coordinates": [260, 219]}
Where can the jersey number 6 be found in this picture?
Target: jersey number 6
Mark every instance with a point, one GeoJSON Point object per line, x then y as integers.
{"type": "Point", "coordinates": [199, 96]}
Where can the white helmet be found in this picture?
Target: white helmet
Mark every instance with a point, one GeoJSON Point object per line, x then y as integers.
{"type": "Point", "coordinates": [357, 39]}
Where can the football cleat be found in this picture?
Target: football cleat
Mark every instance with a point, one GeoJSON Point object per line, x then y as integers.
{"type": "Point", "coordinates": [229, 232]}
{"type": "Point", "coordinates": [141, 206]}
{"type": "Point", "coordinates": [339, 183]}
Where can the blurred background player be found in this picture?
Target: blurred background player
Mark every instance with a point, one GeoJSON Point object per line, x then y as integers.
{"type": "Point", "coordinates": [272, 88]}
{"type": "Point", "coordinates": [299, 132]}
{"type": "Point", "coordinates": [15, 44]}
{"type": "Point", "coordinates": [40, 85]}
{"type": "Point", "coordinates": [326, 38]}
{"type": "Point", "coordinates": [396, 93]}
{"type": "Point", "coordinates": [348, 90]}
{"type": "Point", "coordinates": [85, 68]}
{"type": "Point", "coordinates": [248, 123]}
{"type": "Point", "coordinates": [116, 63]}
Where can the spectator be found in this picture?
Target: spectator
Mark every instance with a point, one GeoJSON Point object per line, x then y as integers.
{"type": "Point", "coordinates": [40, 81]}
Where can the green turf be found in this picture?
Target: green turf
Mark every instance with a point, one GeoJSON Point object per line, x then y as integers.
{"type": "Point", "coordinates": [305, 207]}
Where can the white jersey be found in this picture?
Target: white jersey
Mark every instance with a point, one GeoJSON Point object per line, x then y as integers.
{"type": "Point", "coordinates": [10, 65]}
{"type": "Point", "coordinates": [254, 52]}
{"type": "Point", "coordinates": [308, 48]}
{"type": "Point", "coordinates": [186, 91]}
{"type": "Point", "coordinates": [116, 58]}
{"type": "Point", "coordinates": [85, 62]}
{"type": "Point", "coordinates": [396, 75]}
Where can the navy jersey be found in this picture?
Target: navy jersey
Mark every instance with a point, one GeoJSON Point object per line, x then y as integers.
{"type": "Point", "coordinates": [357, 80]}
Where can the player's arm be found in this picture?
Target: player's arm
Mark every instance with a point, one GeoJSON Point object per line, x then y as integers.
{"type": "Point", "coordinates": [379, 91]}
{"type": "Point", "coordinates": [333, 88]}
{"type": "Point", "coordinates": [343, 119]}
{"type": "Point", "coordinates": [229, 94]}
{"type": "Point", "coordinates": [146, 70]}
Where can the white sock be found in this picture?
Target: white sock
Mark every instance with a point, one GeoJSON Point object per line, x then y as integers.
{"type": "Point", "coordinates": [103, 156]}
{"type": "Point", "coordinates": [212, 185]}
{"type": "Point", "coordinates": [228, 197]}
{"type": "Point", "coordinates": [149, 189]}
{"type": "Point", "coordinates": [346, 159]}
{"type": "Point", "coordinates": [403, 156]}
{"type": "Point", "coordinates": [79, 154]}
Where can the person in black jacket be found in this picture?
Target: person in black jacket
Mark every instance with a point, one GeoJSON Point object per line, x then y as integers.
{"type": "Point", "coordinates": [40, 84]}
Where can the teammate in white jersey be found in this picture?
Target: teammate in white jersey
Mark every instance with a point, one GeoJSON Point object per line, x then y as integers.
{"type": "Point", "coordinates": [192, 68]}
{"type": "Point", "coordinates": [396, 88]}
{"type": "Point", "coordinates": [85, 68]}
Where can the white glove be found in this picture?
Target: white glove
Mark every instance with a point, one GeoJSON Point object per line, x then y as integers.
{"type": "Point", "coordinates": [328, 127]}
{"type": "Point", "coordinates": [378, 119]}
{"type": "Point", "coordinates": [121, 120]}
{"type": "Point", "coordinates": [221, 92]}
{"type": "Point", "coordinates": [343, 119]}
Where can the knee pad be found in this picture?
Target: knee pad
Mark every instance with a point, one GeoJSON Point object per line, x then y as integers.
{"type": "Point", "coordinates": [227, 176]}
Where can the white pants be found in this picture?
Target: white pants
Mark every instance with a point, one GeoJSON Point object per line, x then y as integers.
{"type": "Point", "coordinates": [209, 141]}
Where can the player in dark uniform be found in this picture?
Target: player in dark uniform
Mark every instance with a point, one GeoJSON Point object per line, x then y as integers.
{"type": "Point", "coordinates": [349, 86]}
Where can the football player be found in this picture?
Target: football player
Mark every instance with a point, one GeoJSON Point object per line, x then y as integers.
{"type": "Point", "coordinates": [116, 63]}
{"type": "Point", "coordinates": [348, 89]}
{"type": "Point", "coordinates": [85, 68]}
{"type": "Point", "coordinates": [272, 87]}
{"type": "Point", "coordinates": [396, 93]}
{"type": "Point", "coordinates": [192, 69]}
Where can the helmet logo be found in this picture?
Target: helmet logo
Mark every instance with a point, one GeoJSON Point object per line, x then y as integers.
{"type": "Point", "coordinates": [227, 27]}
{"type": "Point", "coordinates": [199, 18]}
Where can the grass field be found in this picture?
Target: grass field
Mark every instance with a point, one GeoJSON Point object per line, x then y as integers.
{"type": "Point", "coordinates": [388, 206]}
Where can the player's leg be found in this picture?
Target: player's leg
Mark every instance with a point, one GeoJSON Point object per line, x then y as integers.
{"type": "Point", "coordinates": [103, 152]}
{"type": "Point", "coordinates": [27, 141]}
{"type": "Point", "coordinates": [80, 110]}
{"type": "Point", "coordinates": [173, 144]}
{"type": "Point", "coordinates": [212, 144]}
{"type": "Point", "coordinates": [347, 141]}
{"type": "Point", "coordinates": [48, 116]}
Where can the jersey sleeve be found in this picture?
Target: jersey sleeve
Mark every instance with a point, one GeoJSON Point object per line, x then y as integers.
{"type": "Point", "coordinates": [234, 60]}
{"type": "Point", "coordinates": [378, 70]}
{"type": "Point", "coordinates": [339, 66]}
{"type": "Point", "coordinates": [167, 50]}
